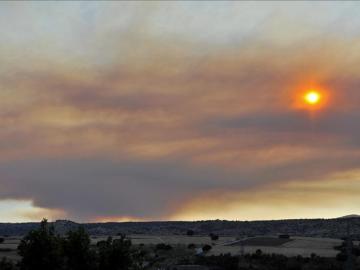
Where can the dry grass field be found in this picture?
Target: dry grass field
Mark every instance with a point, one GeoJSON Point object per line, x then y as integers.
{"type": "Point", "coordinates": [304, 246]}
{"type": "Point", "coordinates": [262, 241]}
{"type": "Point", "coordinates": [179, 239]}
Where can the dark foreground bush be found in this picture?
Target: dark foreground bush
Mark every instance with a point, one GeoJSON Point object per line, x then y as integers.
{"type": "Point", "coordinates": [214, 237]}
{"type": "Point", "coordinates": [223, 261]}
{"type": "Point", "coordinates": [6, 264]}
{"type": "Point", "coordinates": [115, 254]}
{"type": "Point", "coordinates": [263, 261]}
{"type": "Point", "coordinates": [206, 248]}
{"type": "Point", "coordinates": [77, 252]}
{"type": "Point", "coordinates": [41, 249]}
{"type": "Point", "coordinates": [163, 246]}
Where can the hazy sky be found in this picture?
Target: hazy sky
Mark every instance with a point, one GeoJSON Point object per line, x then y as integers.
{"type": "Point", "coordinates": [178, 110]}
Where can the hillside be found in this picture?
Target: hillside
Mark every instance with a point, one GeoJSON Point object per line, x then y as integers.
{"type": "Point", "coordinates": [334, 228]}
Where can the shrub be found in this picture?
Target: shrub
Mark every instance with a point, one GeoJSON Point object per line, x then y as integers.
{"type": "Point", "coordinates": [313, 256]}
{"type": "Point", "coordinates": [258, 252]}
{"type": "Point", "coordinates": [163, 246]}
{"type": "Point", "coordinates": [213, 237]}
{"type": "Point", "coordinates": [341, 257]}
{"type": "Point", "coordinates": [206, 248]}
{"type": "Point", "coordinates": [115, 254]}
{"type": "Point", "coordinates": [6, 264]}
{"type": "Point", "coordinates": [223, 261]}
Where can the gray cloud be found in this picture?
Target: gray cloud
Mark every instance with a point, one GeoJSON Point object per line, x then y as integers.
{"type": "Point", "coordinates": [331, 123]}
{"type": "Point", "coordinates": [152, 190]}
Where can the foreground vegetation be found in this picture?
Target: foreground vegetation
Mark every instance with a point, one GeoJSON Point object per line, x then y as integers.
{"type": "Point", "coordinates": [43, 249]}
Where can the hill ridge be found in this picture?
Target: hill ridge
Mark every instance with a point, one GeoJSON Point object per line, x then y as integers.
{"type": "Point", "coordinates": [335, 227]}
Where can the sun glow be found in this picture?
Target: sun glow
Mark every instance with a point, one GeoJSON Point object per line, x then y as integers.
{"type": "Point", "coordinates": [312, 97]}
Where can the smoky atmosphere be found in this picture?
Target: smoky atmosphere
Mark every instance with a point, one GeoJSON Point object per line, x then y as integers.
{"type": "Point", "coordinates": [141, 111]}
{"type": "Point", "coordinates": [179, 135]}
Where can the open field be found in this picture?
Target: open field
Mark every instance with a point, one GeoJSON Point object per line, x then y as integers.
{"type": "Point", "coordinates": [262, 241]}
{"type": "Point", "coordinates": [304, 246]}
{"type": "Point", "coordinates": [179, 239]}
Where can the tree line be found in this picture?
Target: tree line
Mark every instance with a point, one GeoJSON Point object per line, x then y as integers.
{"type": "Point", "coordinates": [42, 249]}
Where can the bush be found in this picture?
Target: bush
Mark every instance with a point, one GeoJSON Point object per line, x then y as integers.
{"type": "Point", "coordinates": [214, 237]}
{"type": "Point", "coordinates": [341, 257]}
{"type": "Point", "coordinates": [190, 233]}
{"type": "Point", "coordinates": [313, 256]}
{"type": "Point", "coordinates": [6, 264]}
{"type": "Point", "coordinates": [191, 246]}
{"type": "Point", "coordinates": [115, 254]}
{"type": "Point", "coordinates": [2, 239]}
{"type": "Point", "coordinates": [293, 265]}
{"type": "Point", "coordinates": [163, 246]}
{"type": "Point", "coordinates": [206, 248]}
{"type": "Point", "coordinates": [223, 261]}
{"type": "Point", "coordinates": [258, 252]}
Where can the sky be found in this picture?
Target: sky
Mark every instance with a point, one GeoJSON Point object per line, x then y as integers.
{"type": "Point", "coordinates": [118, 111]}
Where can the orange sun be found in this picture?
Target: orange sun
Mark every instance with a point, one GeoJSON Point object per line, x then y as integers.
{"type": "Point", "coordinates": [312, 97]}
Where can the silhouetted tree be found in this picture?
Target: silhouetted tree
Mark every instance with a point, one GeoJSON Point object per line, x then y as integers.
{"type": "Point", "coordinates": [41, 249]}
{"type": "Point", "coordinates": [77, 252]}
{"type": "Point", "coordinates": [115, 254]}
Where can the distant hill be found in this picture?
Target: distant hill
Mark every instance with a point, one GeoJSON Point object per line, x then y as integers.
{"type": "Point", "coordinates": [350, 216]}
{"type": "Point", "coordinates": [334, 228]}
